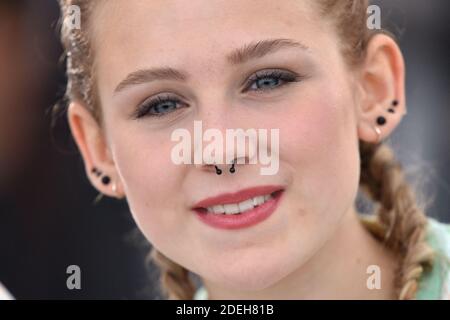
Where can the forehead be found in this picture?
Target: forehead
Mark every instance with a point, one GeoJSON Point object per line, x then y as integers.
{"type": "Point", "coordinates": [137, 33]}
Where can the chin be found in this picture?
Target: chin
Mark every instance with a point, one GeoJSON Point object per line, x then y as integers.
{"type": "Point", "coordinates": [250, 275]}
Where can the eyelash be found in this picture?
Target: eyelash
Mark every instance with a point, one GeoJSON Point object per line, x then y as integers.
{"type": "Point", "coordinates": [287, 77]}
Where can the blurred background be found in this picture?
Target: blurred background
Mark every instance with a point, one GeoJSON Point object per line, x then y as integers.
{"type": "Point", "coordinates": [47, 217]}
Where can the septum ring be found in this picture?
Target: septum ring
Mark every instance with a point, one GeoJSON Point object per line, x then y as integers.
{"type": "Point", "coordinates": [218, 171]}
{"type": "Point", "coordinates": [232, 169]}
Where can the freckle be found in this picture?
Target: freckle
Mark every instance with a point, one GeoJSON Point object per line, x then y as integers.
{"type": "Point", "coordinates": [289, 23]}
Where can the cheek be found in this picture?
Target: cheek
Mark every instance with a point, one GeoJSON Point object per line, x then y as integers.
{"type": "Point", "coordinates": [318, 143]}
{"type": "Point", "coordinates": [150, 181]}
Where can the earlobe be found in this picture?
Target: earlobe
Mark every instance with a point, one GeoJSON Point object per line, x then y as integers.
{"type": "Point", "coordinates": [382, 125]}
{"type": "Point", "coordinates": [106, 181]}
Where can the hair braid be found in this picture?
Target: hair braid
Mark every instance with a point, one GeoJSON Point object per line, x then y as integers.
{"type": "Point", "coordinates": [404, 223]}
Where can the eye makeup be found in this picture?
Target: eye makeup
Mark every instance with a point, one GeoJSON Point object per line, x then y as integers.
{"type": "Point", "coordinates": [266, 81]}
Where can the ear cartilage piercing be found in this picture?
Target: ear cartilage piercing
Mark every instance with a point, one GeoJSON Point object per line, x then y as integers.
{"type": "Point", "coordinates": [218, 171]}
{"type": "Point", "coordinates": [381, 120]}
{"type": "Point", "coordinates": [391, 110]}
{"type": "Point", "coordinates": [106, 180]}
{"type": "Point", "coordinates": [395, 103]}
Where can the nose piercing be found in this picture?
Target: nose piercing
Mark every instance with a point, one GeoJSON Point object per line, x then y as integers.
{"type": "Point", "coordinates": [232, 169]}
{"type": "Point", "coordinates": [218, 171]}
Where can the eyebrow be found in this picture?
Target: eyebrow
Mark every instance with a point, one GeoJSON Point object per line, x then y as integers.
{"type": "Point", "coordinates": [253, 50]}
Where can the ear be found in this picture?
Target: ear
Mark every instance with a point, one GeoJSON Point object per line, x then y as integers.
{"type": "Point", "coordinates": [91, 142]}
{"type": "Point", "coordinates": [382, 83]}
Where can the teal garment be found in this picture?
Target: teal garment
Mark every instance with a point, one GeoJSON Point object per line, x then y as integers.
{"type": "Point", "coordinates": [201, 294]}
{"type": "Point", "coordinates": [434, 284]}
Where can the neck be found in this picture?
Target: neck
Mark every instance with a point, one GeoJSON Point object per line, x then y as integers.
{"type": "Point", "coordinates": [337, 271]}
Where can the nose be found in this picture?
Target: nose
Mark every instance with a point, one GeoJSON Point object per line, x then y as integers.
{"type": "Point", "coordinates": [227, 148]}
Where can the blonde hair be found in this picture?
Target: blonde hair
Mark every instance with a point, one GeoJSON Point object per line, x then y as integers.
{"type": "Point", "coordinates": [400, 224]}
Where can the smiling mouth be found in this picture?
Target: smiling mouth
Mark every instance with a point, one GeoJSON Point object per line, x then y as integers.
{"type": "Point", "coordinates": [240, 207]}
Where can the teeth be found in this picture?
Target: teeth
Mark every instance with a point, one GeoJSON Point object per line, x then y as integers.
{"type": "Point", "coordinates": [246, 205]}
{"type": "Point", "coordinates": [231, 208]}
{"type": "Point", "coordinates": [236, 208]}
{"type": "Point", "coordinates": [258, 200]}
{"type": "Point", "coordinates": [218, 209]}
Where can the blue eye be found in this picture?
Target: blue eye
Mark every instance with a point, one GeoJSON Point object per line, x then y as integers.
{"type": "Point", "coordinates": [270, 80]}
{"type": "Point", "coordinates": [158, 107]}
{"type": "Point", "coordinates": [265, 81]}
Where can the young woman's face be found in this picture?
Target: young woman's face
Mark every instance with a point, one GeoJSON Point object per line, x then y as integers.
{"type": "Point", "coordinates": [316, 116]}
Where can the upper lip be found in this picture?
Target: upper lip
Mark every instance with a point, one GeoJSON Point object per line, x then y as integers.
{"type": "Point", "coordinates": [236, 197]}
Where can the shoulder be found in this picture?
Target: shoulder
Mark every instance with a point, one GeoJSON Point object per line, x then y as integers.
{"type": "Point", "coordinates": [4, 294]}
{"type": "Point", "coordinates": [435, 283]}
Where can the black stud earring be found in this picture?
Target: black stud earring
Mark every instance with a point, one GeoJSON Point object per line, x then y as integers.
{"type": "Point", "coordinates": [97, 172]}
{"type": "Point", "coordinates": [395, 103]}
{"type": "Point", "coordinates": [106, 180]}
{"type": "Point", "coordinates": [381, 120]}
{"type": "Point", "coordinates": [391, 110]}
{"type": "Point", "coordinates": [218, 171]}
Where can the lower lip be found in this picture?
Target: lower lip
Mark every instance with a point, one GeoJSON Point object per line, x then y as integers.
{"type": "Point", "coordinates": [242, 220]}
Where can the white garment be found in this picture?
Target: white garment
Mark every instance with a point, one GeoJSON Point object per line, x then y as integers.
{"type": "Point", "coordinates": [4, 294]}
